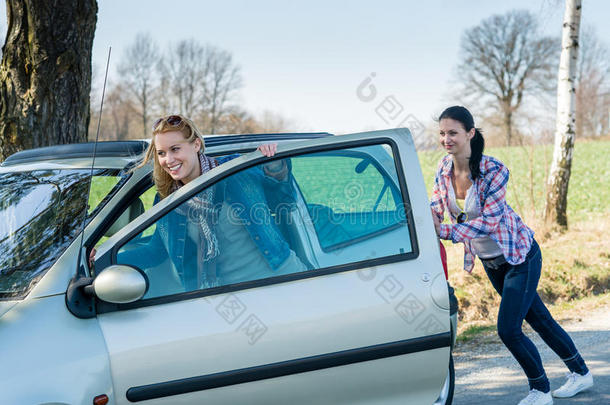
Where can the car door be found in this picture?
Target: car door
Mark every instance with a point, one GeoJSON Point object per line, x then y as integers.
{"type": "Point", "coordinates": [317, 286]}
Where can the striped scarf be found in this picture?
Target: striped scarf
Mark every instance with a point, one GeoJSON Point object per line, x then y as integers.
{"type": "Point", "coordinates": [201, 210]}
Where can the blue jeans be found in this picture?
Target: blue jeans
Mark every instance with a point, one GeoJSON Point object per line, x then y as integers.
{"type": "Point", "coordinates": [517, 286]}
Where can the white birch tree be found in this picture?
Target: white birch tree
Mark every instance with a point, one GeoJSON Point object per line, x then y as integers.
{"type": "Point", "coordinates": [559, 176]}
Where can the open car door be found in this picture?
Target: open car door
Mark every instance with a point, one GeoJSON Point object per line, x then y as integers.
{"type": "Point", "coordinates": [313, 277]}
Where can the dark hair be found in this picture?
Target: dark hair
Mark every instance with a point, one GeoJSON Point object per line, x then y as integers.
{"type": "Point", "coordinates": [477, 143]}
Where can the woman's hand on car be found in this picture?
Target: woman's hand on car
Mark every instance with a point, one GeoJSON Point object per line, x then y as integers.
{"type": "Point", "coordinates": [277, 169]}
{"type": "Point", "coordinates": [92, 257]}
{"type": "Point", "coordinates": [268, 149]}
{"type": "Point", "coordinates": [437, 222]}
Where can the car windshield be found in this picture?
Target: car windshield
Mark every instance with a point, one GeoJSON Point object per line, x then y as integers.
{"type": "Point", "coordinates": [41, 213]}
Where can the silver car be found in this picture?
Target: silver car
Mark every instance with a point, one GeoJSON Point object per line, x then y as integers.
{"type": "Point", "coordinates": [361, 315]}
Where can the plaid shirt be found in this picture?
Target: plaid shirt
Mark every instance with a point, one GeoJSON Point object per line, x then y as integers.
{"type": "Point", "coordinates": [497, 220]}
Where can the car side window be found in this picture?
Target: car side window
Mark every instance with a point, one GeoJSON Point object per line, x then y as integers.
{"type": "Point", "coordinates": [102, 185]}
{"type": "Point", "coordinates": [358, 200]}
{"type": "Point", "coordinates": [136, 207]}
{"type": "Point", "coordinates": [285, 217]}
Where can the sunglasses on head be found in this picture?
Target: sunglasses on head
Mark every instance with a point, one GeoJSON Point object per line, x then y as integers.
{"type": "Point", "coordinates": [172, 120]}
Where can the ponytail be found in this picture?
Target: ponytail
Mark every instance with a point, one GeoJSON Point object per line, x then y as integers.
{"type": "Point", "coordinates": [477, 144]}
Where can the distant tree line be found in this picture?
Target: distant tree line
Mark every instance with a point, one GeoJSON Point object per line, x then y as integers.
{"type": "Point", "coordinates": [189, 78]}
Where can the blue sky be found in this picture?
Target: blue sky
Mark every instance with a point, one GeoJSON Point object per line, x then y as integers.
{"type": "Point", "coordinates": [305, 60]}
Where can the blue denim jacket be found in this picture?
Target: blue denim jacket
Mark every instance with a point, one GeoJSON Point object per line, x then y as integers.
{"type": "Point", "coordinates": [245, 191]}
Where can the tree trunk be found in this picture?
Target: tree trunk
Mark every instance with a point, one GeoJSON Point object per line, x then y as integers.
{"type": "Point", "coordinates": [508, 122]}
{"type": "Point", "coordinates": [559, 177]}
{"type": "Point", "coordinates": [45, 76]}
{"type": "Point", "coordinates": [145, 112]}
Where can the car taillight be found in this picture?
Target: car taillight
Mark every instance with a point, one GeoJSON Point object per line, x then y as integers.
{"type": "Point", "coordinates": [444, 259]}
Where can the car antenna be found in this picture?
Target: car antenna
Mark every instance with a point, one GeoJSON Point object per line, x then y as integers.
{"type": "Point", "coordinates": [79, 302]}
{"type": "Point", "coordinates": [97, 134]}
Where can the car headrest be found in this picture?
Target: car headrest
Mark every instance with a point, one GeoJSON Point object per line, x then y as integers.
{"type": "Point", "coordinates": [132, 212]}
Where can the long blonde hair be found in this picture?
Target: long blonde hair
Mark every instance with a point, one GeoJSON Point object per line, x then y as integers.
{"type": "Point", "coordinates": [163, 181]}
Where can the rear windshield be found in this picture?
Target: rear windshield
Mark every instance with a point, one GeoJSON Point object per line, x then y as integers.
{"type": "Point", "coordinates": [41, 212]}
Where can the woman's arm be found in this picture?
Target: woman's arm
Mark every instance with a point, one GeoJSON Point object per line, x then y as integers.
{"type": "Point", "coordinates": [436, 202]}
{"type": "Point", "coordinates": [143, 255]}
{"type": "Point", "coordinates": [277, 169]}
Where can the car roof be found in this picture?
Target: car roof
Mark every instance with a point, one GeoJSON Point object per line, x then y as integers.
{"type": "Point", "coordinates": [81, 153]}
{"type": "Point", "coordinates": [77, 151]}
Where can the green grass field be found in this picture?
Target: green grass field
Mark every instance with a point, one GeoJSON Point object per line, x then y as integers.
{"type": "Point", "coordinates": [100, 187]}
{"type": "Point", "coordinates": [588, 197]}
{"type": "Point", "coordinates": [589, 189]}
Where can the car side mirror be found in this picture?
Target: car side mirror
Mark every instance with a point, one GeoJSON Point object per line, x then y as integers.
{"type": "Point", "coordinates": [120, 284]}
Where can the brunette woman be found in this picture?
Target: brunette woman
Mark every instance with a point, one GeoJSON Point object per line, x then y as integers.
{"type": "Point", "coordinates": [471, 187]}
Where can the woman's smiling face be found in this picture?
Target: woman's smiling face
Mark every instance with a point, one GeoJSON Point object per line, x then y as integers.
{"type": "Point", "coordinates": [177, 156]}
{"type": "Point", "coordinates": [454, 138]}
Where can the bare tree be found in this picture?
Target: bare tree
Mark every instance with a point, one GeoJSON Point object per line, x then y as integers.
{"type": "Point", "coordinates": [46, 73]}
{"type": "Point", "coordinates": [117, 106]}
{"type": "Point", "coordinates": [183, 70]}
{"type": "Point", "coordinates": [592, 85]}
{"type": "Point", "coordinates": [118, 121]}
{"type": "Point", "coordinates": [503, 59]}
{"type": "Point", "coordinates": [559, 176]}
{"type": "Point", "coordinates": [222, 80]}
{"type": "Point", "coordinates": [199, 82]}
{"type": "Point", "coordinates": [164, 99]}
{"type": "Point", "coordinates": [137, 69]}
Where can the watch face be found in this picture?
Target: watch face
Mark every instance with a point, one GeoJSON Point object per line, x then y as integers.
{"type": "Point", "coordinates": [462, 217]}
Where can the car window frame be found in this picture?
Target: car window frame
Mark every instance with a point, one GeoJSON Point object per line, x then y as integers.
{"type": "Point", "coordinates": [109, 257]}
{"type": "Point", "coordinates": [142, 186]}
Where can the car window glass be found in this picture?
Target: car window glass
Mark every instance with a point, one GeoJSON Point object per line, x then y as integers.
{"type": "Point", "coordinates": [23, 204]}
{"type": "Point", "coordinates": [356, 201]}
{"type": "Point", "coordinates": [104, 184]}
{"type": "Point", "coordinates": [282, 217]}
{"type": "Point", "coordinates": [100, 188]}
{"type": "Point", "coordinates": [148, 200]}
{"type": "Point", "coordinates": [40, 214]}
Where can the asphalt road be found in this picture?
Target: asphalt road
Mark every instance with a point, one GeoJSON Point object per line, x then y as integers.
{"type": "Point", "coordinates": [487, 373]}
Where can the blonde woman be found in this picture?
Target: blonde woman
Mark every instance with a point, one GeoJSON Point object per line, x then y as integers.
{"type": "Point", "coordinates": [210, 240]}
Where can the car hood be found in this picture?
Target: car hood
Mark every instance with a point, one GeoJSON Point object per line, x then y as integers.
{"type": "Point", "coordinates": [5, 306]}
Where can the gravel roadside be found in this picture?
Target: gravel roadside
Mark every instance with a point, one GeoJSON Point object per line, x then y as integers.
{"type": "Point", "coordinates": [486, 372]}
